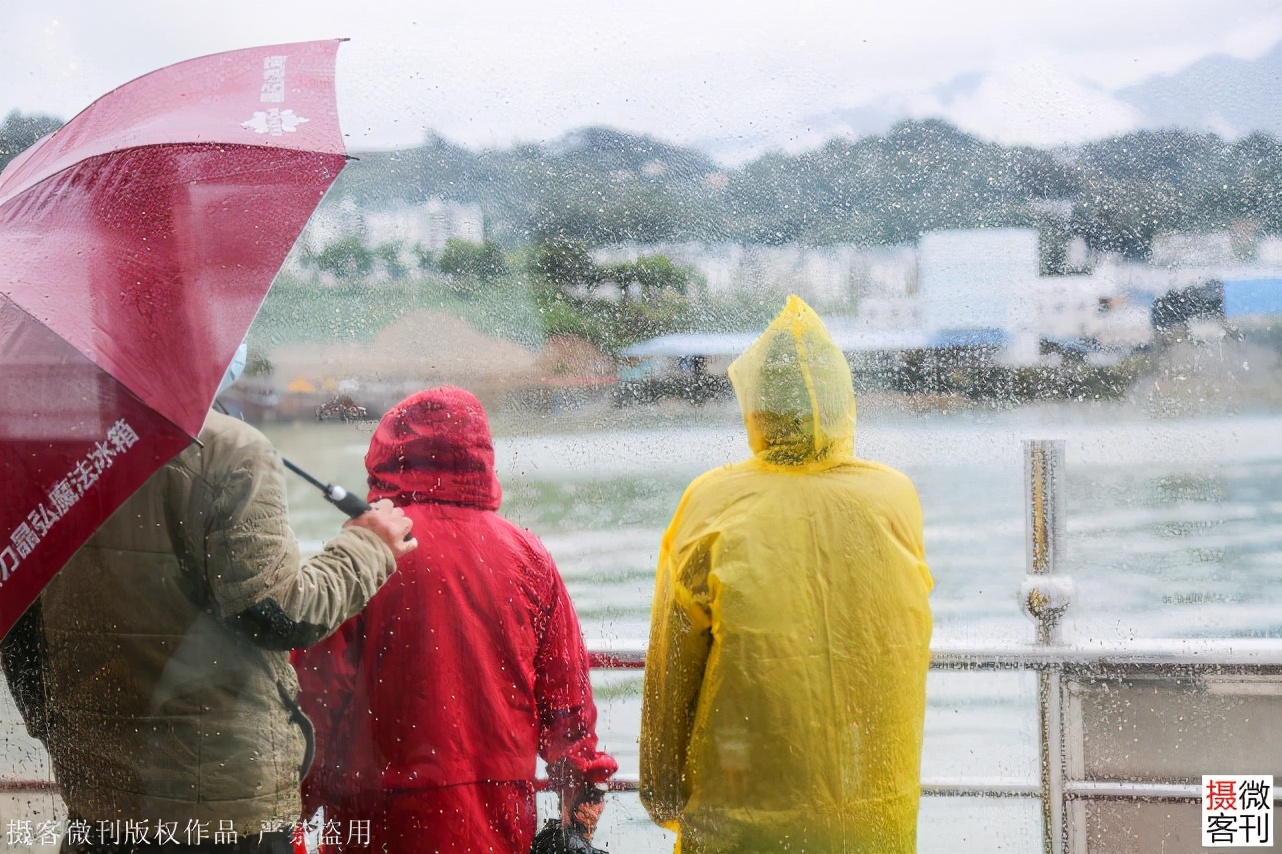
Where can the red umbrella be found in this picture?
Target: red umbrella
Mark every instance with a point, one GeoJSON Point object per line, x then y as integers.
{"type": "Point", "coordinates": [136, 244]}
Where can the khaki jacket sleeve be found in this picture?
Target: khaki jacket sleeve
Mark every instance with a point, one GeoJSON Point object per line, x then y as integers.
{"type": "Point", "coordinates": [250, 557]}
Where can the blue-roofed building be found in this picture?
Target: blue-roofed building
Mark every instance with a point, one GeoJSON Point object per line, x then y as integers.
{"type": "Point", "coordinates": [977, 337]}
{"type": "Point", "coordinates": [1252, 299]}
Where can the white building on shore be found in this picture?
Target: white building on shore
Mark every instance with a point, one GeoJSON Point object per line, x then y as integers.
{"type": "Point", "coordinates": [977, 285]}
{"type": "Point", "coordinates": [830, 278]}
{"type": "Point", "coordinates": [426, 227]}
{"type": "Point", "coordinates": [429, 225]}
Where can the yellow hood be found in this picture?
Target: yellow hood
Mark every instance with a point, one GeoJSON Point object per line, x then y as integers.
{"type": "Point", "coordinates": [795, 391]}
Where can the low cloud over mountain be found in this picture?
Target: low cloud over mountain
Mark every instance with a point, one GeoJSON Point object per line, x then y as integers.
{"type": "Point", "coordinates": [1231, 97]}
{"type": "Point", "coordinates": [1034, 103]}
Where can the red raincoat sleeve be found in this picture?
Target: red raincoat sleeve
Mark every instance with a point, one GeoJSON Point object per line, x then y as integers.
{"type": "Point", "coordinates": [567, 714]}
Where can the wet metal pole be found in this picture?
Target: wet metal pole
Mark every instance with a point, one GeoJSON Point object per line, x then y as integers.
{"type": "Point", "coordinates": [352, 505]}
{"type": "Point", "coordinates": [1044, 596]}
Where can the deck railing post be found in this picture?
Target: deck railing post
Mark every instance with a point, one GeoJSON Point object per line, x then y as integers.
{"type": "Point", "coordinates": [1045, 596]}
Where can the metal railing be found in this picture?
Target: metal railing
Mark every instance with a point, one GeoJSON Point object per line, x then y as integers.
{"type": "Point", "coordinates": [1190, 658]}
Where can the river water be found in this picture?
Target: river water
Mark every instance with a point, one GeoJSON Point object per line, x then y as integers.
{"type": "Point", "coordinates": [1174, 529]}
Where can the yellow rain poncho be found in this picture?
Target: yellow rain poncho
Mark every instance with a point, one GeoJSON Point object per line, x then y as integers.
{"type": "Point", "coordinates": [785, 684]}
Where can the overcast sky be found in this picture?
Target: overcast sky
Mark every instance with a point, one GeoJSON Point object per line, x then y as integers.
{"type": "Point", "coordinates": [492, 72]}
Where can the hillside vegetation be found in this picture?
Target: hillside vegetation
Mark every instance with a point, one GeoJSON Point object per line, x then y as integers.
{"type": "Point", "coordinates": [602, 186]}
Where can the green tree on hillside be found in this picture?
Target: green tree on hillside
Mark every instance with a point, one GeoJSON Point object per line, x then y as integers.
{"type": "Point", "coordinates": [565, 263]}
{"type": "Point", "coordinates": [388, 256]}
{"type": "Point", "coordinates": [471, 268]}
{"type": "Point", "coordinates": [424, 256]}
{"type": "Point", "coordinates": [479, 260]}
{"type": "Point", "coordinates": [346, 258]}
{"type": "Point", "coordinates": [651, 297]}
{"type": "Point", "coordinates": [649, 277]}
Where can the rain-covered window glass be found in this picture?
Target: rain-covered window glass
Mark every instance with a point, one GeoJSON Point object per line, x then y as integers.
{"type": "Point", "coordinates": [518, 277]}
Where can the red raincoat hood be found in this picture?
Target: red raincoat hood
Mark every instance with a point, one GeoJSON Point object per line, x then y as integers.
{"type": "Point", "coordinates": [434, 446]}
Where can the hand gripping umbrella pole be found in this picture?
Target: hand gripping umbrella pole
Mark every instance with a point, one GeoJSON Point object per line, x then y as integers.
{"type": "Point", "coordinates": [350, 504]}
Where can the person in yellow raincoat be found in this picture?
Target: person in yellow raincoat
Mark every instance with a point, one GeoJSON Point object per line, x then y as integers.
{"type": "Point", "coordinates": [785, 683]}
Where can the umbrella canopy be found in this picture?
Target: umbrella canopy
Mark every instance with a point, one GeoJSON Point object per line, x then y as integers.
{"type": "Point", "coordinates": [136, 244]}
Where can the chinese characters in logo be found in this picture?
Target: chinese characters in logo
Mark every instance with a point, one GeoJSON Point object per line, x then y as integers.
{"type": "Point", "coordinates": [1237, 811]}
{"type": "Point", "coordinates": [63, 494]}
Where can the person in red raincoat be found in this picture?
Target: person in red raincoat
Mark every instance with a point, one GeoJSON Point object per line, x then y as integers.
{"type": "Point", "coordinates": [431, 705]}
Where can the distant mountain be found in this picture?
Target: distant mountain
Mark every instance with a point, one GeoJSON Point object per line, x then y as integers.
{"type": "Point", "coordinates": [442, 169]}
{"type": "Point", "coordinates": [608, 150]}
{"type": "Point", "coordinates": [606, 186]}
{"type": "Point", "coordinates": [1227, 96]}
{"type": "Point", "coordinates": [596, 183]}
{"type": "Point", "coordinates": [1220, 94]}
{"type": "Point", "coordinates": [810, 133]}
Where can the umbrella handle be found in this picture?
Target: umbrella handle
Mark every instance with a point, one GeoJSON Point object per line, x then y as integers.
{"type": "Point", "coordinates": [350, 504]}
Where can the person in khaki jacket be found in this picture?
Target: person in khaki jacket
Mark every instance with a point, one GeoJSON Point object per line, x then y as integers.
{"type": "Point", "coordinates": [155, 666]}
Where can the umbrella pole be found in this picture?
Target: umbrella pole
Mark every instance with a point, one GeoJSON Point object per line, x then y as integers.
{"type": "Point", "coordinates": [350, 504]}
